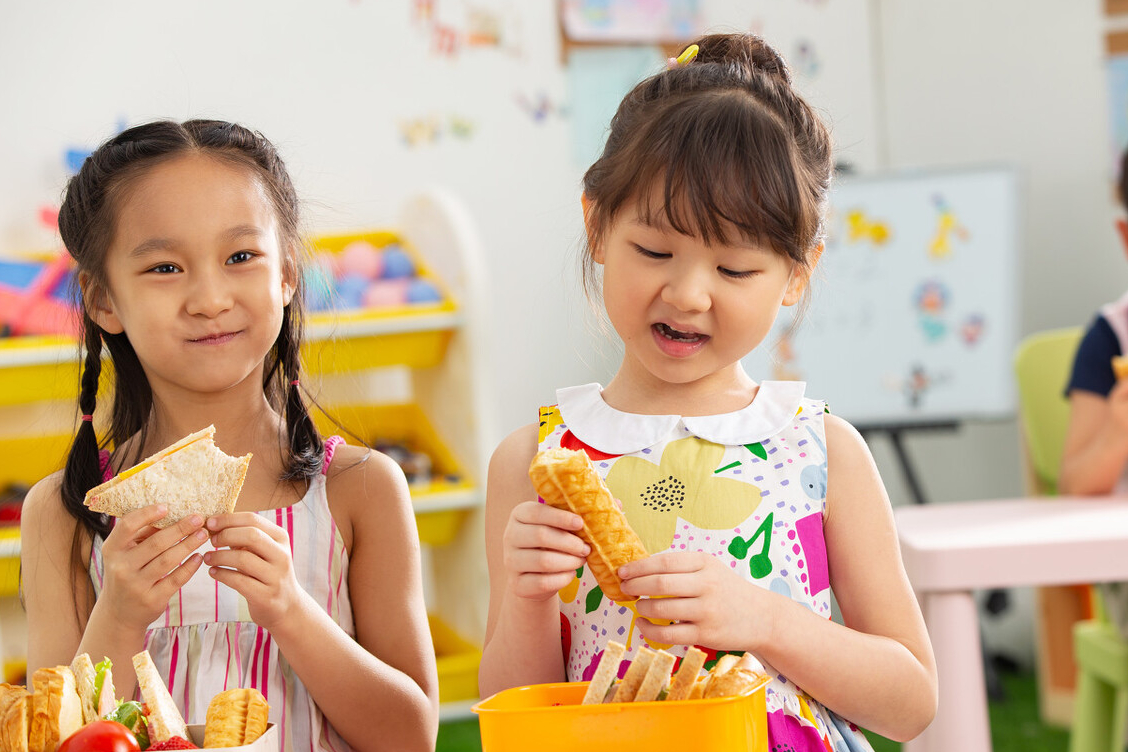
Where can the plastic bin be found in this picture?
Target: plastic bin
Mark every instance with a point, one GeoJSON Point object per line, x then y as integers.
{"type": "Point", "coordinates": [456, 660]}
{"type": "Point", "coordinates": [550, 718]}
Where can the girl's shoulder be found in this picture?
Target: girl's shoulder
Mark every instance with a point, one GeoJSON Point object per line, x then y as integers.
{"type": "Point", "coordinates": [43, 515]}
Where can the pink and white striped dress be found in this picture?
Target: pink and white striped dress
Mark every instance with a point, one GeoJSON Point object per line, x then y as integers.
{"type": "Point", "coordinates": [205, 641]}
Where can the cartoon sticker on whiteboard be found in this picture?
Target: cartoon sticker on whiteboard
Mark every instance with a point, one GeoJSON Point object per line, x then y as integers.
{"type": "Point", "coordinates": [860, 227]}
{"type": "Point", "coordinates": [972, 329]}
{"type": "Point", "coordinates": [931, 302]}
{"type": "Point", "coordinates": [916, 385]}
{"type": "Point", "coordinates": [947, 226]}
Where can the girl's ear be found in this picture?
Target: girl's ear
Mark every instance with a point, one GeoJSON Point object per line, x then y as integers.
{"type": "Point", "coordinates": [99, 305]}
{"type": "Point", "coordinates": [801, 277]}
{"type": "Point", "coordinates": [589, 227]}
{"type": "Point", "coordinates": [289, 277]}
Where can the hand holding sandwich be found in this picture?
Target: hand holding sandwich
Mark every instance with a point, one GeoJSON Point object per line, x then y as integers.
{"type": "Point", "coordinates": [252, 556]}
{"type": "Point", "coordinates": [146, 565]}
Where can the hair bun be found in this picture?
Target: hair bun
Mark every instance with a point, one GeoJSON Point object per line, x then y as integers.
{"type": "Point", "coordinates": [746, 52]}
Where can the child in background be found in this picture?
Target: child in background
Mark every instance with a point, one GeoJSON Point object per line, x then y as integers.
{"type": "Point", "coordinates": [187, 244]}
{"type": "Point", "coordinates": [705, 214]}
{"type": "Point", "coordinates": [1095, 455]}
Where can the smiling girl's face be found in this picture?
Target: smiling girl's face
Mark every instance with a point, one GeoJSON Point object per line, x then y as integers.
{"type": "Point", "coordinates": [195, 274]}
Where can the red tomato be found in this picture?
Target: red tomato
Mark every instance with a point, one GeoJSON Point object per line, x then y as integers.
{"type": "Point", "coordinates": [101, 736]}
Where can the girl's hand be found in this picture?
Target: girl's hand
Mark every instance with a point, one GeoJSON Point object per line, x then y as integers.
{"type": "Point", "coordinates": [695, 599]}
{"type": "Point", "coordinates": [253, 558]}
{"type": "Point", "coordinates": [540, 549]}
{"type": "Point", "coordinates": [145, 565]}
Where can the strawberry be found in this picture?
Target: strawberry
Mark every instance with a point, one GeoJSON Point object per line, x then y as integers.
{"type": "Point", "coordinates": [173, 742]}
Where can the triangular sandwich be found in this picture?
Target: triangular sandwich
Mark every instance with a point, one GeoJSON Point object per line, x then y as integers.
{"type": "Point", "coordinates": [193, 476]}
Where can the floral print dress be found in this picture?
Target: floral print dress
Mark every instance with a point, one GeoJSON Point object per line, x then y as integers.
{"type": "Point", "coordinates": [748, 487]}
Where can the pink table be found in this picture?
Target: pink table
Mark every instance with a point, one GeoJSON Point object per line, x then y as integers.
{"type": "Point", "coordinates": [950, 550]}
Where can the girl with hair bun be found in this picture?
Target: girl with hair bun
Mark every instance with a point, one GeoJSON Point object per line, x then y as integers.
{"type": "Point", "coordinates": [704, 215]}
{"type": "Point", "coordinates": [189, 257]}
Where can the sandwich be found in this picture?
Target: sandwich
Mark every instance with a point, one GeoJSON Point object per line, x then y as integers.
{"type": "Point", "coordinates": [1120, 366]}
{"type": "Point", "coordinates": [95, 686]}
{"type": "Point", "coordinates": [235, 717]}
{"type": "Point", "coordinates": [193, 476]}
{"type": "Point", "coordinates": [15, 717]}
{"type": "Point", "coordinates": [164, 719]}
{"type": "Point", "coordinates": [648, 678]}
{"type": "Point", "coordinates": [566, 479]}
{"type": "Point", "coordinates": [56, 709]}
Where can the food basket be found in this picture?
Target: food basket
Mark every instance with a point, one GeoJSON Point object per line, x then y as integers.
{"type": "Point", "coordinates": [550, 718]}
{"type": "Point", "coordinates": [268, 742]}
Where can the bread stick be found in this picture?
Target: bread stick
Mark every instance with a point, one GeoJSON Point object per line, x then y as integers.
{"type": "Point", "coordinates": [632, 680]}
{"type": "Point", "coordinates": [683, 680]}
{"type": "Point", "coordinates": [566, 479]}
{"type": "Point", "coordinates": [606, 673]}
{"type": "Point", "coordinates": [657, 676]}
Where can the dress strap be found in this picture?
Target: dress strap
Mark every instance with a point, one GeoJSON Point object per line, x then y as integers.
{"type": "Point", "coordinates": [331, 445]}
{"type": "Point", "coordinates": [104, 464]}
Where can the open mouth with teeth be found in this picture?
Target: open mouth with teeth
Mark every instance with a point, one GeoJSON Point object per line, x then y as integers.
{"type": "Point", "coordinates": [677, 335]}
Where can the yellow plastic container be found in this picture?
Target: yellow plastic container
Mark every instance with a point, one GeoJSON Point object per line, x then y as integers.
{"type": "Point", "coordinates": [550, 718]}
{"type": "Point", "coordinates": [456, 659]}
{"type": "Point", "coordinates": [9, 565]}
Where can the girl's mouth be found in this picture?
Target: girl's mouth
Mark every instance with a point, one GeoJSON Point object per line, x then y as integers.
{"type": "Point", "coordinates": [677, 335]}
{"type": "Point", "coordinates": [214, 339]}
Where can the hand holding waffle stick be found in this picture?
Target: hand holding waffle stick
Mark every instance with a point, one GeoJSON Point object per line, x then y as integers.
{"type": "Point", "coordinates": [566, 479]}
{"type": "Point", "coordinates": [648, 677]}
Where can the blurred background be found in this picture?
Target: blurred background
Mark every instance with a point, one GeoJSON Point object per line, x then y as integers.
{"type": "Point", "coordinates": [500, 105]}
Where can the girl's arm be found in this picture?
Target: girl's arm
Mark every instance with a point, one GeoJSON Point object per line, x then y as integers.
{"type": "Point", "coordinates": [55, 611]}
{"type": "Point", "coordinates": [1096, 442]}
{"type": "Point", "coordinates": [532, 552]}
{"type": "Point", "coordinates": [379, 691]}
{"type": "Point", "coordinates": [876, 669]}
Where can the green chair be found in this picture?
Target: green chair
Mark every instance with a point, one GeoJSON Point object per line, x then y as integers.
{"type": "Point", "coordinates": [1100, 702]}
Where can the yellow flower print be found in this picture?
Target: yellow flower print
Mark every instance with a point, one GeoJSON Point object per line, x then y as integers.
{"type": "Point", "coordinates": [682, 485]}
{"type": "Point", "coordinates": [550, 418]}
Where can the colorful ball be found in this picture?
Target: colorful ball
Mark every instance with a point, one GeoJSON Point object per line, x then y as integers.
{"type": "Point", "coordinates": [386, 293]}
{"type": "Point", "coordinates": [362, 259]}
{"type": "Point", "coordinates": [423, 291]}
{"type": "Point", "coordinates": [319, 286]}
{"type": "Point", "coordinates": [350, 290]}
{"type": "Point", "coordinates": [397, 264]}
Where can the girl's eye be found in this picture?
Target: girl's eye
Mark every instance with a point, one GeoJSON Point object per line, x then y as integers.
{"type": "Point", "coordinates": [164, 269]}
{"type": "Point", "coordinates": [645, 252]}
{"type": "Point", "coordinates": [240, 257]}
{"type": "Point", "coordinates": [735, 274]}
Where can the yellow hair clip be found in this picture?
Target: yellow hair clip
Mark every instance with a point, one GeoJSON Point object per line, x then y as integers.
{"type": "Point", "coordinates": [687, 56]}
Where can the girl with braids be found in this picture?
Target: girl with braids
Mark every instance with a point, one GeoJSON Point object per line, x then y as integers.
{"type": "Point", "coordinates": [705, 215]}
{"type": "Point", "coordinates": [188, 252]}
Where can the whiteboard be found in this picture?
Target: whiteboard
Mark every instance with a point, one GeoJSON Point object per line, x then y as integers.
{"type": "Point", "coordinates": [913, 307]}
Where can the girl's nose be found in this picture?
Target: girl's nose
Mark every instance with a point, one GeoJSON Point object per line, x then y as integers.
{"type": "Point", "coordinates": [688, 290]}
{"type": "Point", "coordinates": [209, 295]}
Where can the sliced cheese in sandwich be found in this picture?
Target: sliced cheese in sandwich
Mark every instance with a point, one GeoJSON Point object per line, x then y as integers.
{"type": "Point", "coordinates": [164, 717]}
{"type": "Point", "coordinates": [193, 476]}
{"type": "Point", "coordinates": [15, 717]}
{"type": "Point", "coordinates": [56, 710]}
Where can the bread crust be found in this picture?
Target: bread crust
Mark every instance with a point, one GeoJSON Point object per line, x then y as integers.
{"type": "Point", "coordinates": [15, 718]}
{"type": "Point", "coordinates": [566, 479]}
{"type": "Point", "coordinates": [235, 717]}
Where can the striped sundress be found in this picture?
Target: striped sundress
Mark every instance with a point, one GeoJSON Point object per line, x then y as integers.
{"type": "Point", "coordinates": [205, 641]}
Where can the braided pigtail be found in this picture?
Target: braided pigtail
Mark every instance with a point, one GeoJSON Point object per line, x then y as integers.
{"type": "Point", "coordinates": [83, 468]}
{"type": "Point", "coordinates": [307, 450]}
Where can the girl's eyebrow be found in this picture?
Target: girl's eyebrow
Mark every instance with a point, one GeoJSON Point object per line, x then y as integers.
{"type": "Point", "coordinates": [230, 235]}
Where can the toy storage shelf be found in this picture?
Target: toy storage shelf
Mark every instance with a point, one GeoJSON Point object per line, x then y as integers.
{"type": "Point", "coordinates": [444, 415]}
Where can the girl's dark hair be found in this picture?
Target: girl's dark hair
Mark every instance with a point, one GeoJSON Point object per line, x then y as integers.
{"type": "Point", "coordinates": [732, 144]}
{"type": "Point", "coordinates": [87, 222]}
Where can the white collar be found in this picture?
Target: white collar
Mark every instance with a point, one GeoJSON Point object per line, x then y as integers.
{"type": "Point", "coordinates": [611, 431]}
